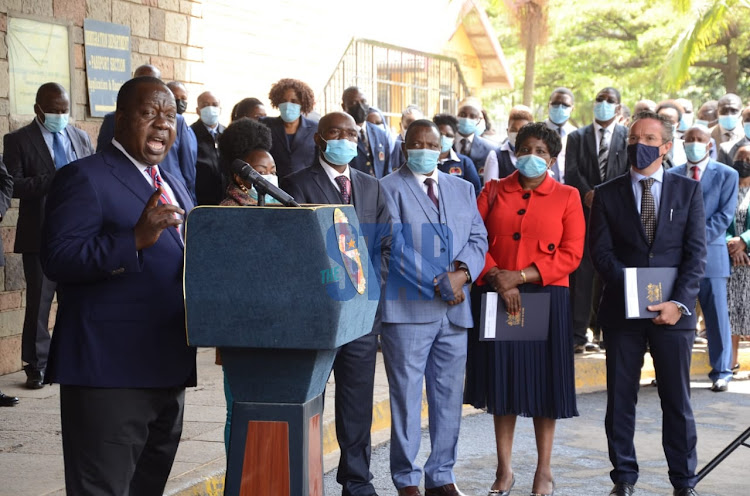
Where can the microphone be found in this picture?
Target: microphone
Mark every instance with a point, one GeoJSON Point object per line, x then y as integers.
{"type": "Point", "coordinates": [262, 186]}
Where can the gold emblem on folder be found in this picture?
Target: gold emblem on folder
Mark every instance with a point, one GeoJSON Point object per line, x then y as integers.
{"type": "Point", "coordinates": [654, 293]}
{"type": "Point", "coordinates": [350, 255]}
{"type": "Point", "coordinates": [515, 319]}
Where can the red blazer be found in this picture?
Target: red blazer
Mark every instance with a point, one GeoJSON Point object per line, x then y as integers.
{"type": "Point", "coordinates": [544, 227]}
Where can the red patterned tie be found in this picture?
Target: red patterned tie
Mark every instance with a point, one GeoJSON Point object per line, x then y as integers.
{"type": "Point", "coordinates": [696, 173]}
{"type": "Point", "coordinates": [158, 183]}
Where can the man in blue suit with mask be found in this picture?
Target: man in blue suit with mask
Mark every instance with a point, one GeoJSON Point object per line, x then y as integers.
{"type": "Point", "coordinates": [719, 184]}
{"type": "Point", "coordinates": [439, 243]}
{"type": "Point", "coordinates": [373, 151]}
{"type": "Point", "coordinates": [647, 218]}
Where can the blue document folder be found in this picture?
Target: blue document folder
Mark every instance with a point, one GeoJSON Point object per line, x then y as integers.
{"type": "Point", "coordinates": [645, 286]}
{"type": "Point", "coordinates": [530, 324]}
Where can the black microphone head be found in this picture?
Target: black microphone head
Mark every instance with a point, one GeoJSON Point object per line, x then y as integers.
{"type": "Point", "coordinates": [238, 165]}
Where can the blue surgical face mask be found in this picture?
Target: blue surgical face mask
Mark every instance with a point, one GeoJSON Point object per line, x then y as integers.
{"type": "Point", "coordinates": [481, 128]}
{"type": "Point", "coordinates": [729, 122]}
{"type": "Point", "coordinates": [641, 156]}
{"type": "Point", "coordinates": [467, 126]}
{"type": "Point", "coordinates": [55, 122]}
{"type": "Point", "coordinates": [746, 127]}
{"type": "Point", "coordinates": [290, 112]}
{"type": "Point", "coordinates": [422, 161]}
{"type": "Point", "coordinates": [210, 115]}
{"type": "Point", "coordinates": [700, 122]}
{"type": "Point", "coordinates": [273, 179]}
{"type": "Point", "coordinates": [340, 151]}
{"type": "Point", "coordinates": [446, 143]}
{"type": "Point", "coordinates": [695, 151]}
{"type": "Point", "coordinates": [559, 114]}
{"type": "Point", "coordinates": [531, 166]}
{"type": "Point", "coordinates": [604, 111]}
{"type": "Point", "coordinates": [685, 122]}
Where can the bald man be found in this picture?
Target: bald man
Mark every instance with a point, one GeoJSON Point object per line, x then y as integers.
{"type": "Point", "coordinates": [209, 180]}
{"type": "Point", "coordinates": [719, 184]}
{"type": "Point", "coordinates": [729, 128]}
{"type": "Point", "coordinates": [33, 154]}
{"type": "Point", "coordinates": [181, 159]}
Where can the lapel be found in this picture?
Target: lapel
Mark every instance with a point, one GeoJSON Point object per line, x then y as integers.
{"type": "Point", "coordinates": [37, 140]}
{"type": "Point", "coordinates": [75, 141]}
{"type": "Point", "coordinates": [666, 200]}
{"type": "Point", "coordinates": [358, 193]}
{"type": "Point", "coordinates": [707, 180]}
{"type": "Point", "coordinates": [615, 148]}
{"type": "Point", "coordinates": [372, 142]}
{"type": "Point", "coordinates": [589, 142]}
{"type": "Point", "coordinates": [430, 212]}
{"type": "Point", "coordinates": [278, 133]}
{"type": "Point", "coordinates": [321, 180]}
{"type": "Point", "coordinates": [128, 175]}
{"type": "Point", "coordinates": [303, 131]}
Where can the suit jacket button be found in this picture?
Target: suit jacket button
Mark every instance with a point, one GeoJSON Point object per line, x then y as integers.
{"type": "Point", "coordinates": [526, 196]}
{"type": "Point", "coordinates": [516, 236]}
{"type": "Point", "coordinates": [442, 250]}
{"type": "Point", "coordinates": [551, 246]}
{"type": "Point", "coordinates": [522, 211]}
{"type": "Point", "coordinates": [650, 255]}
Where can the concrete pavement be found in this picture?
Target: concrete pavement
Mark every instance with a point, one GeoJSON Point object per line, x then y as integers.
{"type": "Point", "coordinates": [31, 452]}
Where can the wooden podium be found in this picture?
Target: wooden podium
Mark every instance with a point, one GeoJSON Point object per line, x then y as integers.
{"type": "Point", "coordinates": [278, 290]}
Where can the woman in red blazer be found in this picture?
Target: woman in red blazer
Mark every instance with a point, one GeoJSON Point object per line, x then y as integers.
{"type": "Point", "coordinates": [536, 233]}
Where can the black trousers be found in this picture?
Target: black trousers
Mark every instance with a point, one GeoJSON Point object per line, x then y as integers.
{"type": "Point", "coordinates": [582, 296]}
{"type": "Point", "coordinates": [39, 294]}
{"type": "Point", "coordinates": [354, 372]}
{"type": "Point", "coordinates": [119, 442]}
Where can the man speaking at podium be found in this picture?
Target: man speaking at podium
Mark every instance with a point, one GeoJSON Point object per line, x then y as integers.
{"type": "Point", "coordinates": [646, 218]}
{"type": "Point", "coordinates": [439, 243]}
{"type": "Point", "coordinates": [112, 242]}
{"type": "Point", "coordinates": [331, 181]}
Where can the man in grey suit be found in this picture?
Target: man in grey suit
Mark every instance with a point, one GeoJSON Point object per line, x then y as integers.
{"type": "Point", "coordinates": [438, 245]}
{"type": "Point", "coordinates": [33, 154]}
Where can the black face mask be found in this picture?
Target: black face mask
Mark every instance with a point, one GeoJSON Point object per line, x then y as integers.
{"type": "Point", "coordinates": [742, 167]}
{"type": "Point", "coordinates": [181, 106]}
{"type": "Point", "coordinates": [358, 112]}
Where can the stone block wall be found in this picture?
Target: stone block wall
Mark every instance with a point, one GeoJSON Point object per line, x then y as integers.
{"type": "Point", "coordinates": [165, 33]}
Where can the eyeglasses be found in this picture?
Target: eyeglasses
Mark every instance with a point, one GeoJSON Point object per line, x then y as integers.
{"type": "Point", "coordinates": [650, 140]}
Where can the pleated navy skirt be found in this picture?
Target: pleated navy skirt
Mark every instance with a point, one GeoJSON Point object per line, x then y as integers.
{"type": "Point", "coordinates": [526, 378]}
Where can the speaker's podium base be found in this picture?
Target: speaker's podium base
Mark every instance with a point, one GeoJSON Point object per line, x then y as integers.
{"type": "Point", "coordinates": [280, 449]}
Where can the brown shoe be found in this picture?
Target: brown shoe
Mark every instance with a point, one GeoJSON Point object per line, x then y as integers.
{"type": "Point", "coordinates": [446, 490]}
{"type": "Point", "coordinates": [409, 491]}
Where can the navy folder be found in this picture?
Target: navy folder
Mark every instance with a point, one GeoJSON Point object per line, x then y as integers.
{"type": "Point", "coordinates": [645, 286]}
{"type": "Point", "coordinates": [530, 324]}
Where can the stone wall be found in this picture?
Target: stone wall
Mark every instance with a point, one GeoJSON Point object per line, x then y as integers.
{"type": "Point", "coordinates": [165, 33]}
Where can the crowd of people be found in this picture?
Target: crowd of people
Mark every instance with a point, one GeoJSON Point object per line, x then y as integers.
{"type": "Point", "coordinates": [552, 210]}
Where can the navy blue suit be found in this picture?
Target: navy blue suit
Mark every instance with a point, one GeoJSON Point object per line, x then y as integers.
{"type": "Point", "coordinates": [181, 159]}
{"type": "Point", "coordinates": [719, 184]}
{"type": "Point", "coordinates": [297, 156]}
{"type": "Point", "coordinates": [617, 240]}
{"type": "Point", "coordinates": [480, 148]}
{"type": "Point", "coordinates": [464, 169]}
{"type": "Point", "coordinates": [378, 163]}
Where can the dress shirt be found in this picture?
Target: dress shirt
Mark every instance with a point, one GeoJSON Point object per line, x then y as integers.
{"type": "Point", "coordinates": [142, 169]}
{"type": "Point", "coordinates": [421, 178]}
{"type": "Point", "coordinates": [213, 131]}
{"type": "Point", "coordinates": [458, 146]}
{"type": "Point", "coordinates": [70, 153]}
{"type": "Point", "coordinates": [333, 174]}
{"type": "Point", "coordinates": [598, 134]}
{"type": "Point", "coordinates": [701, 167]}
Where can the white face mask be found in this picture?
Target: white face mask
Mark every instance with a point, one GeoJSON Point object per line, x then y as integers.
{"type": "Point", "coordinates": [271, 178]}
{"type": "Point", "coordinates": [512, 139]}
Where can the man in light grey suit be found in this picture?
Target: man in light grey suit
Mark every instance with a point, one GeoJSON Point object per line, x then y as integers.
{"type": "Point", "coordinates": [439, 243]}
{"type": "Point", "coordinates": [719, 184]}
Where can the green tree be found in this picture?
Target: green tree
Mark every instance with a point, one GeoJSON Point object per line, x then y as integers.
{"type": "Point", "coordinates": [713, 23]}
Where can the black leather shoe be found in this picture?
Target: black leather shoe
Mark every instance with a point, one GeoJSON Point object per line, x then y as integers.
{"type": "Point", "coordinates": [34, 379]}
{"type": "Point", "coordinates": [6, 400]}
{"type": "Point", "coordinates": [685, 491]}
{"type": "Point", "coordinates": [622, 489]}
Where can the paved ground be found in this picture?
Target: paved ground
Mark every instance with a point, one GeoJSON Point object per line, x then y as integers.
{"type": "Point", "coordinates": [580, 461]}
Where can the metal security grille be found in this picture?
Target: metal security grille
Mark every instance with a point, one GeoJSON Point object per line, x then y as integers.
{"type": "Point", "coordinates": [394, 77]}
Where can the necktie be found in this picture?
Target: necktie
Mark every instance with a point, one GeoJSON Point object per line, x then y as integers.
{"type": "Point", "coordinates": [61, 158]}
{"type": "Point", "coordinates": [431, 192]}
{"type": "Point", "coordinates": [648, 209]}
{"type": "Point", "coordinates": [603, 154]}
{"type": "Point", "coordinates": [464, 146]}
{"type": "Point", "coordinates": [696, 173]}
{"type": "Point", "coordinates": [165, 199]}
{"type": "Point", "coordinates": [561, 132]}
{"type": "Point", "coordinates": [345, 187]}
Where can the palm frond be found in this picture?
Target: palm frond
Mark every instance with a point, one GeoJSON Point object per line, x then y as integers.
{"type": "Point", "coordinates": [706, 28]}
